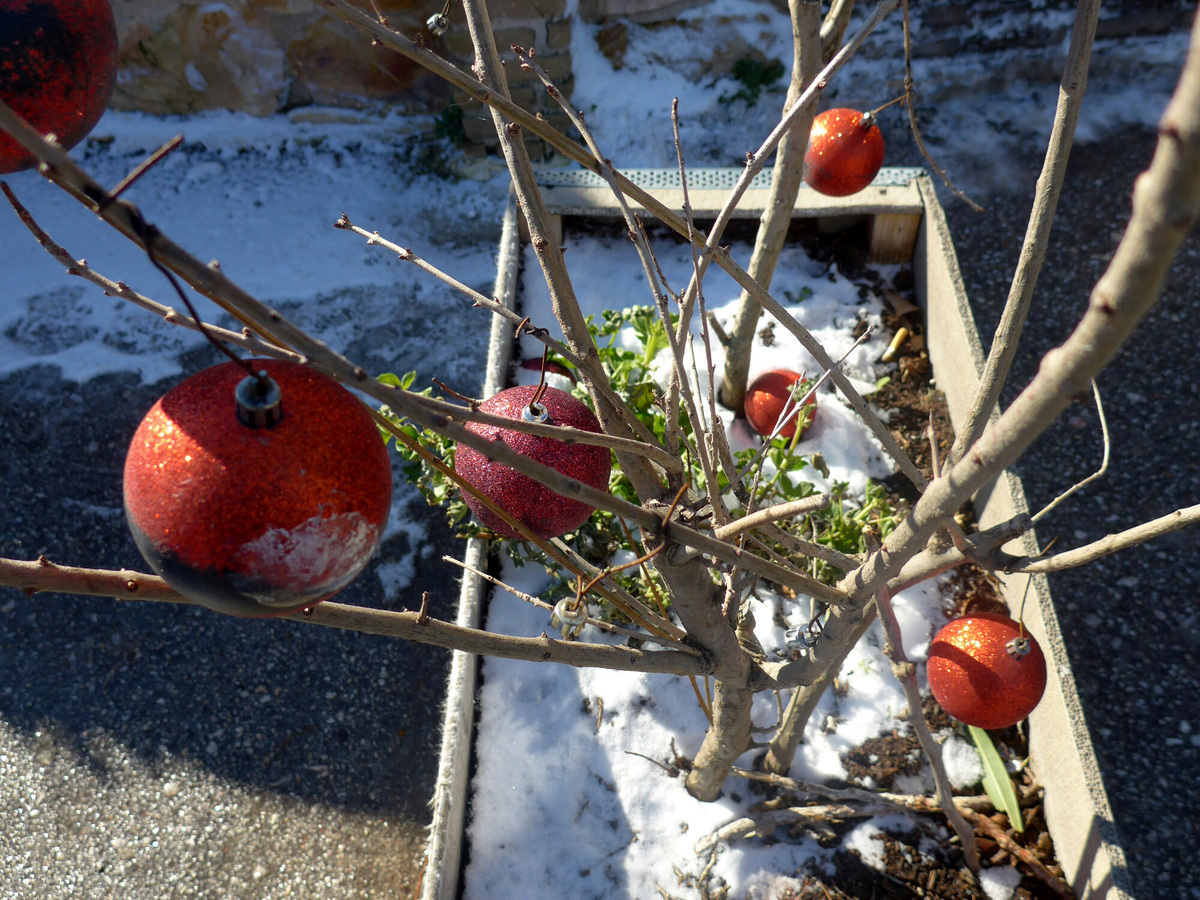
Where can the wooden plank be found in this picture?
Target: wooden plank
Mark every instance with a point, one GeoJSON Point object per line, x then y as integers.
{"type": "Point", "coordinates": [893, 237]}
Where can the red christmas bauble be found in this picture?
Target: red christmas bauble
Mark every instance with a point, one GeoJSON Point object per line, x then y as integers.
{"type": "Point", "coordinates": [765, 399]}
{"type": "Point", "coordinates": [545, 513]}
{"type": "Point", "coordinates": [844, 152]}
{"type": "Point", "coordinates": [58, 65]}
{"type": "Point", "coordinates": [257, 519]}
{"type": "Point", "coordinates": [986, 670]}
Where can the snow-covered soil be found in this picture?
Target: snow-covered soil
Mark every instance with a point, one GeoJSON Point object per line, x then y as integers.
{"type": "Point", "coordinates": [565, 801]}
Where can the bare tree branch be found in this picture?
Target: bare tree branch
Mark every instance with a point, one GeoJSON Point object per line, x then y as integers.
{"type": "Point", "coordinates": [1148, 531]}
{"type": "Point", "coordinates": [771, 514]}
{"type": "Point", "coordinates": [45, 576]}
{"type": "Point", "coordinates": [1037, 235]}
{"type": "Point", "coordinates": [906, 674]}
{"type": "Point", "coordinates": [1099, 473]}
{"type": "Point", "coordinates": [1165, 202]}
{"type": "Point", "coordinates": [615, 419]}
{"type": "Point", "coordinates": [786, 177]}
{"type": "Point", "coordinates": [404, 253]}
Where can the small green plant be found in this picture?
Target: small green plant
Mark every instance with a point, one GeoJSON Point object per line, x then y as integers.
{"type": "Point", "coordinates": [449, 125]}
{"type": "Point", "coordinates": [630, 366]}
{"type": "Point", "coordinates": [754, 74]}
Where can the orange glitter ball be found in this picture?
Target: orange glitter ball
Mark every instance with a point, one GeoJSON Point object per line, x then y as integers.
{"type": "Point", "coordinates": [983, 673]}
{"type": "Point", "coordinates": [845, 152]}
{"type": "Point", "coordinates": [765, 399]}
{"type": "Point", "coordinates": [58, 66]}
{"type": "Point", "coordinates": [257, 521]}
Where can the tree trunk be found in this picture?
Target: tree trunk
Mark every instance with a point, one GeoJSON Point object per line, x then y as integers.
{"type": "Point", "coordinates": [725, 742]}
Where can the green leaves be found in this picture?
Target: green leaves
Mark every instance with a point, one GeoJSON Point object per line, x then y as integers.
{"type": "Point", "coordinates": [754, 74]}
{"type": "Point", "coordinates": [628, 341]}
{"type": "Point", "coordinates": [996, 782]}
{"type": "Point", "coordinates": [435, 487]}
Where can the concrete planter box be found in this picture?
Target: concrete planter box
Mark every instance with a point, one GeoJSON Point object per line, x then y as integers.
{"type": "Point", "coordinates": [906, 223]}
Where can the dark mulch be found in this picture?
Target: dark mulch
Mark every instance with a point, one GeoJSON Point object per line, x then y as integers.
{"type": "Point", "coordinates": [910, 867]}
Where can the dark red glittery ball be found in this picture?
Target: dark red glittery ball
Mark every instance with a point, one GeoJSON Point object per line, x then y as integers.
{"type": "Point", "coordinates": [534, 505]}
{"type": "Point", "coordinates": [844, 155]}
{"type": "Point", "coordinates": [766, 397]}
{"type": "Point", "coordinates": [58, 66]}
{"type": "Point", "coordinates": [257, 521]}
{"type": "Point", "coordinates": [978, 678]}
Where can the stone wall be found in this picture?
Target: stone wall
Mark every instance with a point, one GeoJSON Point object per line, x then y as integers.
{"type": "Point", "coordinates": [263, 56]}
{"type": "Point", "coordinates": [268, 56]}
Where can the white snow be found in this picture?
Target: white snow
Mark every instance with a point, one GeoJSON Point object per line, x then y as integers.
{"type": "Point", "coordinates": [964, 768]}
{"type": "Point", "coordinates": [1000, 882]}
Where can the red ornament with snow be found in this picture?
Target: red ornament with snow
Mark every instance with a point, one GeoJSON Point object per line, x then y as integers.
{"type": "Point", "coordinates": [845, 152]}
{"type": "Point", "coordinates": [58, 65]}
{"type": "Point", "coordinates": [986, 670]}
{"type": "Point", "coordinates": [545, 513]}
{"type": "Point", "coordinates": [766, 397]}
{"type": "Point", "coordinates": [257, 496]}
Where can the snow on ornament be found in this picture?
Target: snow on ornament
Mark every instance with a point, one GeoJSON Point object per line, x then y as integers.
{"type": "Point", "coordinates": [986, 670]}
{"type": "Point", "coordinates": [58, 66]}
{"type": "Point", "coordinates": [257, 496]}
{"type": "Point", "coordinates": [545, 513]}
{"type": "Point", "coordinates": [845, 152]}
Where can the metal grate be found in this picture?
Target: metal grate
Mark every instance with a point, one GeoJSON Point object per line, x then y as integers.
{"type": "Point", "coordinates": [722, 179]}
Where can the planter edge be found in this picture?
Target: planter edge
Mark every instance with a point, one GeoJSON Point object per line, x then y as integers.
{"type": "Point", "coordinates": [1078, 813]}
{"type": "Point", "coordinates": [443, 852]}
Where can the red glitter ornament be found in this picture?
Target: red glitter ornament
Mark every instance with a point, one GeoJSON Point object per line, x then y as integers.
{"type": "Point", "coordinates": [986, 670]}
{"type": "Point", "coordinates": [257, 519]}
{"type": "Point", "coordinates": [765, 399]}
{"type": "Point", "coordinates": [845, 152]}
{"type": "Point", "coordinates": [545, 513]}
{"type": "Point", "coordinates": [58, 65]}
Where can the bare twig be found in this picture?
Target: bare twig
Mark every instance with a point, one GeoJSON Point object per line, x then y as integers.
{"type": "Point", "coordinates": [786, 177]}
{"type": "Point", "coordinates": [906, 674]}
{"type": "Point", "coordinates": [43, 575]}
{"type": "Point", "coordinates": [1037, 234]}
{"type": "Point", "coordinates": [244, 339]}
{"type": "Point", "coordinates": [909, 97]}
{"type": "Point", "coordinates": [406, 254]}
{"type": "Point", "coordinates": [1099, 473]}
{"type": "Point", "coordinates": [1180, 518]}
{"type": "Point", "coordinates": [565, 433]}
{"type": "Point", "coordinates": [640, 240]}
{"type": "Point", "coordinates": [716, 434]}
{"type": "Point", "coordinates": [772, 514]}
{"type": "Point", "coordinates": [1001, 837]}
{"type": "Point", "coordinates": [673, 643]}
{"type": "Point", "coordinates": [763, 823]}
{"type": "Point", "coordinates": [616, 419]}
{"type": "Point", "coordinates": [981, 803]}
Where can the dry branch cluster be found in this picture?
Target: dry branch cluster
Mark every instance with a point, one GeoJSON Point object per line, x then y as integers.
{"type": "Point", "coordinates": [697, 545]}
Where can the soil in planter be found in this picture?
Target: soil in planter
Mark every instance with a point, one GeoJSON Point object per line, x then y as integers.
{"type": "Point", "coordinates": [920, 421]}
{"type": "Point", "coordinates": [915, 406]}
